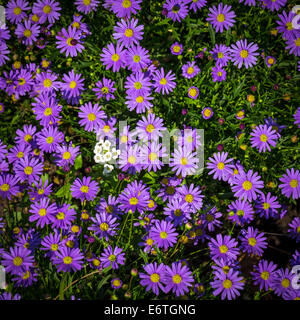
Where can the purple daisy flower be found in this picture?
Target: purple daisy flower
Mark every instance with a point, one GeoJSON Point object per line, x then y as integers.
{"type": "Point", "coordinates": [40, 190]}
{"type": "Point", "coordinates": [46, 10]}
{"type": "Point", "coordinates": [224, 266]}
{"type": "Point", "coordinates": [65, 155]}
{"type": "Point", "coordinates": [15, 10]}
{"type": "Point", "coordinates": [63, 217]}
{"type": "Point", "coordinates": [163, 234]}
{"type": "Point", "coordinates": [164, 83]}
{"type": "Point", "coordinates": [177, 212]}
{"type": "Point", "coordinates": [240, 212]}
{"type": "Point", "coordinates": [262, 137]}
{"type": "Point", "coordinates": [86, 6]}
{"type": "Point", "coordinates": [193, 92]}
{"type": "Point", "coordinates": [17, 260]}
{"type": "Point", "coordinates": [285, 25]}
{"type": "Point", "coordinates": [153, 278]}
{"type": "Point", "coordinates": [176, 49]}
{"type": "Point", "coordinates": [221, 54]}
{"type": "Point", "coordinates": [228, 285]}
{"type": "Point", "coordinates": [8, 186]}
{"type": "Point", "coordinates": [190, 70]}
{"type": "Point", "coordinates": [266, 206]}
{"type": "Point", "coordinates": [19, 151]}
{"type": "Point", "coordinates": [28, 169]}
{"type": "Point", "coordinates": [176, 9]}
{"type": "Point", "coordinates": [8, 296]}
{"type": "Point", "coordinates": [139, 102]}
{"type": "Point", "coordinates": [27, 32]}
{"type": "Point", "coordinates": [290, 183]}
{"type": "Point", "coordinates": [124, 8]}
{"type": "Point", "coordinates": [151, 154]}
{"type": "Point", "coordinates": [297, 118]}
{"type": "Point", "coordinates": [46, 82]}
{"type": "Point", "coordinates": [223, 247]}
{"type": "Point", "coordinates": [281, 282]}
{"type": "Point", "coordinates": [73, 85]}
{"type": "Point", "coordinates": [189, 138]}
{"type": "Point", "coordinates": [197, 4]}
{"type": "Point", "coordinates": [26, 279]}
{"type": "Point", "coordinates": [150, 128]}
{"type": "Point", "coordinates": [273, 4]}
{"type": "Point", "coordinates": [105, 89]}
{"type": "Point", "coordinates": [3, 56]}
{"type": "Point", "coordinates": [69, 42]}
{"type": "Point", "coordinates": [116, 283]}
{"type": "Point", "coordinates": [263, 274]}
{"type": "Point", "coordinates": [130, 159]}
{"type": "Point", "coordinates": [128, 32]}
{"type": "Point", "coordinates": [294, 229]}
{"type": "Point", "coordinates": [67, 259]}
{"type": "Point", "coordinates": [211, 219]}
{"type": "Point", "coordinates": [42, 212]}
{"type": "Point", "coordinates": [247, 185]}
{"type": "Point", "coordinates": [138, 84]}
{"type": "Point", "coordinates": [244, 53]}
{"type": "Point", "coordinates": [91, 116]}
{"type": "Point", "coordinates": [293, 45]}
{"type": "Point", "coordinates": [104, 225]}
{"type": "Point", "coordinates": [48, 139]}
{"type": "Point", "coordinates": [26, 135]}
{"type": "Point", "coordinates": [114, 57]}
{"type": "Point", "coordinates": [137, 58]}
{"type": "Point", "coordinates": [220, 166]}
{"type": "Point", "coordinates": [270, 61]}
{"type": "Point", "coordinates": [218, 73]}
{"type": "Point", "coordinates": [86, 189]}
{"type": "Point", "coordinates": [252, 241]}
{"type": "Point", "coordinates": [192, 197]}
{"type": "Point", "coordinates": [134, 197]}
{"type": "Point", "coordinates": [112, 257]}
{"type": "Point", "coordinates": [178, 278]}
{"type": "Point", "coordinates": [207, 113]}
{"type": "Point", "coordinates": [221, 18]}
{"type": "Point", "coordinates": [184, 162]}
{"type": "Point", "coordinates": [248, 2]}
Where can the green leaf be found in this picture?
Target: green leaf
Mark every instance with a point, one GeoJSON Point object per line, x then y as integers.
{"type": "Point", "coordinates": [78, 162]}
{"type": "Point", "coordinates": [63, 191]}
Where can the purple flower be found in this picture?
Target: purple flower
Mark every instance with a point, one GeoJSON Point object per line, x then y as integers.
{"type": "Point", "coordinates": [164, 83]}
{"type": "Point", "coordinates": [68, 259]}
{"type": "Point", "coordinates": [49, 138]}
{"type": "Point", "coordinates": [262, 137]}
{"type": "Point", "coordinates": [3, 56]}
{"type": "Point", "coordinates": [177, 212]}
{"type": "Point", "coordinates": [153, 278]}
{"type": "Point", "coordinates": [46, 10]}
{"type": "Point", "coordinates": [69, 42]}
{"type": "Point", "coordinates": [253, 242]}
{"type": "Point", "coordinates": [137, 58]}
{"type": "Point", "coordinates": [150, 128]}
{"type": "Point", "coordinates": [63, 217]}
{"type": "Point", "coordinates": [116, 283]}
{"type": "Point", "coordinates": [28, 169]}
{"type": "Point", "coordinates": [193, 92]}
{"type": "Point", "coordinates": [124, 8]}
{"type": "Point", "coordinates": [190, 70]}
{"type": "Point", "coordinates": [72, 86]}
{"type": "Point", "coordinates": [197, 4]}
{"type": "Point", "coordinates": [241, 212]}
{"type": "Point", "coordinates": [163, 234]}
{"type": "Point", "coordinates": [218, 74]}
{"type": "Point", "coordinates": [112, 257]}
{"type": "Point", "coordinates": [281, 282]}
{"type": "Point", "coordinates": [128, 32]}
{"type": "Point", "coordinates": [104, 225]}
{"type": "Point", "coordinates": [211, 219]}
{"type": "Point", "coordinates": [228, 285]}
{"type": "Point", "coordinates": [293, 45]}
{"type": "Point", "coordinates": [270, 61]}
{"type": "Point", "coordinates": [220, 165]}
{"type": "Point", "coordinates": [42, 212]}
{"type": "Point", "coordinates": [221, 54]}
{"type": "Point", "coordinates": [26, 135]}
{"type": "Point", "coordinates": [178, 278]}
{"type": "Point", "coordinates": [294, 229]}
{"type": "Point", "coordinates": [151, 154]}
{"type": "Point", "coordinates": [138, 84]}
{"type": "Point", "coordinates": [297, 117]}
{"type": "Point", "coordinates": [105, 89]}
{"type": "Point", "coordinates": [221, 18]}
{"type": "Point", "coordinates": [27, 32]}
{"type": "Point", "coordinates": [244, 53]}
{"type": "Point", "coordinates": [91, 116]}
{"type": "Point", "coordinates": [176, 49]}
{"type": "Point", "coordinates": [86, 6]}
{"type": "Point", "coordinates": [223, 247]}
{"type": "Point", "coordinates": [184, 162]}
{"type": "Point", "coordinates": [139, 102]}
{"type": "Point", "coordinates": [207, 113]}
{"type": "Point", "coordinates": [285, 25]}
{"type": "Point", "coordinates": [52, 243]}
{"type": "Point", "coordinates": [263, 274]}
{"type": "Point", "coordinates": [176, 9]}
{"type": "Point", "coordinates": [247, 185]}
{"type": "Point", "coordinates": [273, 4]}
{"type": "Point", "coordinates": [192, 197]}
{"type": "Point", "coordinates": [290, 183]}
{"type": "Point", "coordinates": [65, 155]}
{"type": "Point", "coordinates": [114, 57]}
{"type": "Point", "coordinates": [46, 82]}
{"type": "Point", "coordinates": [15, 10]}
{"type": "Point", "coordinates": [86, 189]}
{"type": "Point", "coordinates": [266, 206]}
{"type": "Point", "coordinates": [8, 186]}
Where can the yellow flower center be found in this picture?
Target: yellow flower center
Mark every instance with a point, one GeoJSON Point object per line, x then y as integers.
{"type": "Point", "coordinates": [265, 275]}
{"type": "Point", "coordinates": [50, 140]}
{"type": "Point", "coordinates": [20, 154]}
{"type": "Point", "coordinates": [176, 49]}
{"type": "Point", "coordinates": [128, 33]}
{"type": "Point", "coordinates": [75, 229]}
{"type": "Point", "coordinates": [60, 216]}
{"type": "Point", "coordinates": [27, 33]}
{"type": "Point", "coordinates": [207, 112]}
{"type": "Point", "coordinates": [177, 278]}
{"type": "Point", "coordinates": [285, 283]}
{"type": "Point", "coordinates": [220, 55]}
{"type": "Point", "coordinates": [87, 2]}
{"type": "Point", "coordinates": [17, 11]}
{"type": "Point", "coordinates": [150, 128]}
{"type": "Point", "coordinates": [244, 54]}
{"type": "Point", "coordinates": [149, 242]}
{"type": "Point", "coordinates": [184, 161]}
{"type": "Point", "coordinates": [247, 185]}
{"type": "Point", "coordinates": [106, 128]}
{"type": "Point", "coordinates": [42, 212]}
{"type": "Point", "coordinates": [76, 25]}
{"type": "Point", "coordinates": [67, 260]}
{"type": "Point", "coordinates": [170, 190]}
{"type": "Point", "coordinates": [17, 65]}
{"type": "Point", "coordinates": [193, 92]}
{"type": "Point", "coordinates": [151, 204]}
{"type": "Point", "coordinates": [221, 165]}
{"type": "Point", "coordinates": [112, 258]}
{"type": "Point", "coordinates": [219, 74]}
{"type": "Point", "coordinates": [54, 246]}
{"type": "Point", "coordinates": [91, 117]}
{"type": "Point", "coordinates": [226, 269]}
{"type": "Point", "coordinates": [223, 249]}
{"type": "Point", "coordinates": [47, 83]}
{"type": "Point", "coordinates": [240, 213]}
{"type": "Point", "coordinates": [105, 90]}
{"type": "Point", "coordinates": [45, 63]}
{"type": "Point", "coordinates": [297, 42]}
{"type": "Point", "coordinates": [163, 235]}
{"type": "Point", "coordinates": [48, 112]}
{"type": "Point", "coordinates": [263, 138]}
{"type": "Point", "coordinates": [154, 277]}
{"type": "Point", "coordinates": [41, 191]}
{"type": "Point", "coordinates": [22, 81]}
{"type": "Point", "coordinates": [136, 58]}
{"type": "Point", "coordinates": [250, 98]}
{"type": "Point", "coordinates": [84, 189]}
{"type": "Point", "coordinates": [124, 139]}
{"type": "Point", "coordinates": [190, 70]}
{"type": "Point", "coordinates": [270, 61]}
{"type": "Point", "coordinates": [5, 187]}
{"type": "Point", "coordinates": [28, 137]}
{"type": "Point", "coordinates": [266, 205]}
{"type": "Point", "coordinates": [294, 183]}
{"type": "Point", "coordinates": [137, 85]}
{"type": "Point", "coordinates": [115, 57]}
{"type": "Point", "coordinates": [240, 114]}
{"type": "Point", "coordinates": [26, 275]}
{"type": "Point", "coordinates": [96, 262]}
{"type": "Point", "coordinates": [227, 284]}
{"type": "Point", "coordinates": [132, 159]}
{"type": "Point", "coordinates": [72, 84]}
{"type": "Point", "coordinates": [17, 261]}
{"type": "Point", "coordinates": [177, 212]}
{"type": "Point", "coordinates": [126, 4]}
{"type": "Point", "coordinates": [189, 198]}
{"type": "Point", "coordinates": [104, 226]}
{"type": "Point", "coordinates": [47, 9]}
{"type": "Point", "coordinates": [152, 156]}
{"type": "Point", "coordinates": [133, 201]}
{"type": "Point", "coordinates": [252, 241]}
{"type": "Point", "coordinates": [67, 155]}
{"type": "Point", "coordinates": [289, 26]}
{"type": "Point", "coordinates": [221, 17]}
{"type": "Point", "coordinates": [163, 81]}
{"type": "Point", "coordinates": [28, 170]}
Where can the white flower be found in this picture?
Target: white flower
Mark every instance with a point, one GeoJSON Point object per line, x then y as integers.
{"type": "Point", "coordinates": [115, 153]}
{"type": "Point", "coordinates": [106, 145]}
{"type": "Point", "coordinates": [98, 149]}
{"type": "Point", "coordinates": [97, 158]}
{"type": "Point", "coordinates": [107, 156]}
{"type": "Point", "coordinates": [108, 168]}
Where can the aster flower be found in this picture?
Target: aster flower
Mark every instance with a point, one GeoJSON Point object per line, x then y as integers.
{"type": "Point", "coordinates": [85, 189]}
{"type": "Point", "coordinates": [191, 195]}
{"type": "Point", "coordinates": [46, 10]}
{"type": "Point", "coordinates": [211, 219]}
{"type": "Point", "coordinates": [218, 74]}
{"type": "Point", "coordinates": [67, 259]}
{"type": "Point", "coordinates": [19, 151]}
{"type": "Point", "coordinates": [8, 186]}
{"type": "Point", "coordinates": [247, 185]}
{"type": "Point", "coordinates": [28, 169]}
{"type": "Point", "coordinates": [69, 42]}
{"type": "Point", "coordinates": [263, 274]}
{"type": "Point", "coordinates": [293, 45]}
{"type": "Point", "coordinates": [73, 85]}
{"type": "Point", "coordinates": [49, 138]}
{"type": "Point", "coordinates": [221, 54]}
{"type": "Point", "coordinates": [222, 266]}
{"type": "Point", "coordinates": [177, 212]}
{"type": "Point", "coordinates": [112, 257]}
{"type": "Point", "coordinates": [105, 89]}
{"type": "Point", "coordinates": [223, 247]}
{"type": "Point", "coordinates": [220, 166]}
{"type": "Point", "coordinates": [281, 282]}
{"type": "Point", "coordinates": [178, 278]}
{"type": "Point", "coordinates": [270, 61]}
{"type": "Point", "coordinates": [164, 83]}
{"type": "Point", "coordinates": [193, 92]}
{"type": "Point", "coordinates": [28, 32]}
{"type": "Point", "coordinates": [9, 296]}
{"type": "Point", "coordinates": [46, 82]}
{"type": "Point", "coordinates": [3, 54]}
{"type": "Point", "coordinates": [241, 212]}
{"type": "Point", "coordinates": [169, 188]}
{"type": "Point", "coordinates": [137, 58]}
{"type": "Point", "coordinates": [285, 25]}
{"type": "Point", "coordinates": [26, 279]}
{"type": "Point", "coordinates": [163, 234]}
{"type": "Point", "coordinates": [15, 10]}
{"type": "Point", "coordinates": [17, 260]}
{"type": "Point", "coordinates": [150, 128]}
{"type": "Point", "coordinates": [248, 2]}
{"type": "Point", "coordinates": [297, 118]}
{"type": "Point", "coordinates": [151, 156]}
{"type": "Point", "coordinates": [26, 135]}
{"type": "Point", "coordinates": [65, 155]}
{"type": "Point", "coordinates": [244, 53]}
{"type": "Point", "coordinates": [190, 70]}
{"type": "Point", "coordinates": [262, 137]}
{"type": "Point", "coordinates": [86, 6]}
{"type": "Point", "coordinates": [290, 183]}
{"type": "Point", "coordinates": [221, 18]}
{"type": "Point", "coordinates": [114, 57]}
{"type": "Point", "coordinates": [267, 206]}
{"type": "Point", "coordinates": [294, 229]}
{"type": "Point", "coordinates": [273, 4]}
{"type": "Point", "coordinates": [128, 32]}
{"type": "Point", "coordinates": [139, 102]}
{"type": "Point", "coordinates": [184, 162]}
{"type": "Point", "coordinates": [153, 278]}
{"type": "Point", "coordinates": [91, 116]}
{"type": "Point", "coordinates": [106, 129]}
{"type": "Point", "coordinates": [42, 212]}
{"type": "Point", "coordinates": [207, 113]}
{"type": "Point", "coordinates": [40, 190]}
{"type": "Point", "coordinates": [228, 285]}
{"type": "Point", "coordinates": [138, 84]}
{"type": "Point", "coordinates": [130, 159]}
{"type": "Point", "coordinates": [116, 283]}
{"type": "Point", "coordinates": [104, 225]}
{"type": "Point", "coordinates": [23, 83]}
{"type": "Point", "coordinates": [189, 138]}
{"type": "Point", "coordinates": [125, 8]}
{"type": "Point", "coordinates": [253, 241]}
{"type": "Point", "coordinates": [63, 217]}
{"type": "Point", "coordinates": [197, 4]}
{"type": "Point", "coordinates": [176, 9]}
{"type": "Point", "coordinates": [134, 197]}
{"type": "Point", "coordinates": [176, 49]}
